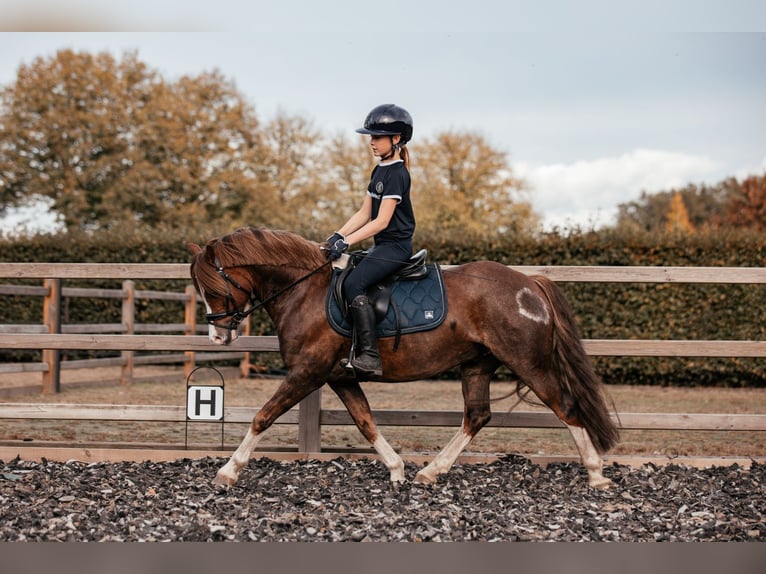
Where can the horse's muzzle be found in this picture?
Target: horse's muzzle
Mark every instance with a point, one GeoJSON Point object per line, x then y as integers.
{"type": "Point", "coordinates": [221, 335]}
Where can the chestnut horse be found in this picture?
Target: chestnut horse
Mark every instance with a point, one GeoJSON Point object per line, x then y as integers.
{"type": "Point", "coordinates": [496, 316]}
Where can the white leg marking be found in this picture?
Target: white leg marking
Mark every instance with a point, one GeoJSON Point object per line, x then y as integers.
{"type": "Point", "coordinates": [590, 458]}
{"type": "Point", "coordinates": [388, 456]}
{"type": "Point", "coordinates": [229, 472]}
{"type": "Point", "coordinates": [443, 461]}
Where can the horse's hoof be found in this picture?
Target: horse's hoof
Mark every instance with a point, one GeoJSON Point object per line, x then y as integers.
{"type": "Point", "coordinates": [421, 478]}
{"type": "Point", "coordinates": [602, 483]}
{"type": "Point", "coordinates": [224, 480]}
{"type": "Point", "coordinates": [397, 476]}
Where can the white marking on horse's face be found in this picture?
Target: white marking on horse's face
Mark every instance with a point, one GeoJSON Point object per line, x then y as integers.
{"type": "Point", "coordinates": [532, 306]}
{"type": "Point", "coordinates": [217, 335]}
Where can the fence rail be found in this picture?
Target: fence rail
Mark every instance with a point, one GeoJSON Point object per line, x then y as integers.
{"type": "Point", "coordinates": [53, 293]}
{"type": "Point", "coordinates": [53, 338]}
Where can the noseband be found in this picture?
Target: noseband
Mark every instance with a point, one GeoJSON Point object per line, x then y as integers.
{"type": "Point", "coordinates": [236, 316]}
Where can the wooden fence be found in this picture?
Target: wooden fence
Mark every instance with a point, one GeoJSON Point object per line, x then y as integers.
{"type": "Point", "coordinates": [310, 416]}
{"type": "Point", "coordinates": [53, 294]}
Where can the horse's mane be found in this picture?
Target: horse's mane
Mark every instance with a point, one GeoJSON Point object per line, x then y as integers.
{"type": "Point", "coordinates": [260, 246]}
{"type": "Point", "coordinates": [256, 246]}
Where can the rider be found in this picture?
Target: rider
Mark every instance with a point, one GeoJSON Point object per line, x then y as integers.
{"type": "Point", "coordinates": [386, 215]}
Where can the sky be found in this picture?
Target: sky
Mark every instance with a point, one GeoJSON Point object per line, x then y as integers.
{"type": "Point", "coordinates": [594, 102]}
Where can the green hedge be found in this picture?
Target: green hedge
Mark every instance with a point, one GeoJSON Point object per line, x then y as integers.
{"type": "Point", "coordinates": [604, 311]}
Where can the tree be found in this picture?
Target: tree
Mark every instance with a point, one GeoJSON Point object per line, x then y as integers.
{"type": "Point", "coordinates": [338, 187]}
{"type": "Point", "coordinates": [462, 184]}
{"type": "Point", "coordinates": [651, 211]}
{"type": "Point", "coordinates": [110, 141]}
{"type": "Point", "coordinates": [677, 218]}
{"type": "Point", "coordinates": [746, 204]}
{"type": "Point", "coordinates": [286, 171]}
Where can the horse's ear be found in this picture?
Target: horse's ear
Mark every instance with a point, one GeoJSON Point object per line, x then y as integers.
{"type": "Point", "coordinates": [194, 248]}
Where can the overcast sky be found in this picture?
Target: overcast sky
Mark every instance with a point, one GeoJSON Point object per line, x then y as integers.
{"type": "Point", "coordinates": [593, 101]}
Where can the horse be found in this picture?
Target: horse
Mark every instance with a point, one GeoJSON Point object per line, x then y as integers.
{"type": "Point", "coordinates": [496, 316]}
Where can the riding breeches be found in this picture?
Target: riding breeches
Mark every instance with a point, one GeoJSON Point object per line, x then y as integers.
{"type": "Point", "coordinates": [380, 262]}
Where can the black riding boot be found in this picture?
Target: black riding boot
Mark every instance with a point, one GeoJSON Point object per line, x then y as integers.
{"type": "Point", "coordinates": [367, 359]}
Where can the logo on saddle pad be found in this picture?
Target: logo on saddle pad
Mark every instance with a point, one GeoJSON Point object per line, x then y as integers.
{"type": "Point", "coordinates": [402, 306]}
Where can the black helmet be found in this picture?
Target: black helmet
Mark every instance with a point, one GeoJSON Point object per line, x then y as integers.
{"type": "Point", "coordinates": [388, 120]}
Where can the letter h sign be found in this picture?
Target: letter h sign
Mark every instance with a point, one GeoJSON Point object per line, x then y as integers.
{"type": "Point", "coordinates": [204, 403]}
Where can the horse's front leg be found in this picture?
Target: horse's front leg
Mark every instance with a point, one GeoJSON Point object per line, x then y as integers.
{"type": "Point", "coordinates": [292, 390]}
{"type": "Point", "coordinates": [228, 474]}
{"type": "Point", "coordinates": [355, 401]}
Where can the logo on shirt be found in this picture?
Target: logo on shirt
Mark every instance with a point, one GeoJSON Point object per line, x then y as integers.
{"type": "Point", "coordinates": [377, 193]}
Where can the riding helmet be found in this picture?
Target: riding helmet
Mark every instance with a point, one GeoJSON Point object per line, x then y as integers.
{"type": "Point", "coordinates": [388, 119]}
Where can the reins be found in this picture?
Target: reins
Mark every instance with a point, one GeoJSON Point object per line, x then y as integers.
{"type": "Point", "coordinates": [238, 316]}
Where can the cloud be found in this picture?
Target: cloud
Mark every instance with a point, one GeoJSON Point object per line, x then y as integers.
{"type": "Point", "coordinates": [587, 193]}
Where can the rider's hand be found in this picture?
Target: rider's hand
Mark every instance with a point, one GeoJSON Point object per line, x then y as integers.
{"type": "Point", "coordinates": [334, 246]}
{"type": "Point", "coordinates": [334, 237]}
{"type": "Point", "coordinates": [337, 249]}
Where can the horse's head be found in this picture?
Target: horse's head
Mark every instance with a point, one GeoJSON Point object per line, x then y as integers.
{"type": "Point", "coordinates": [225, 273]}
{"type": "Point", "coordinates": [227, 293]}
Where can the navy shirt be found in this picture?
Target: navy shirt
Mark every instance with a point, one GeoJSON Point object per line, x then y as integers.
{"type": "Point", "coordinates": [392, 181]}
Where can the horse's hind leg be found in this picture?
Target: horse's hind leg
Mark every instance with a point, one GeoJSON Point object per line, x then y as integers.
{"type": "Point", "coordinates": [589, 456]}
{"type": "Point", "coordinates": [290, 392]}
{"type": "Point", "coordinates": [547, 390]}
{"type": "Point", "coordinates": [355, 401]}
{"type": "Point", "coordinates": [475, 377]}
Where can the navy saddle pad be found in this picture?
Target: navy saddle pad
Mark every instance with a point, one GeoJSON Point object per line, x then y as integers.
{"type": "Point", "coordinates": [419, 305]}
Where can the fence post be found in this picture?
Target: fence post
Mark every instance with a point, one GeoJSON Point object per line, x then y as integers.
{"type": "Point", "coordinates": [52, 319]}
{"type": "Point", "coordinates": [190, 319]}
{"type": "Point", "coordinates": [309, 427]}
{"type": "Point", "coordinates": [244, 364]}
{"type": "Point", "coordinates": [129, 324]}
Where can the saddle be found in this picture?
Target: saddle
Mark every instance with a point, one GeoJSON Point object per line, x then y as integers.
{"type": "Point", "coordinates": [380, 295]}
{"type": "Point", "coordinates": [412, 299]}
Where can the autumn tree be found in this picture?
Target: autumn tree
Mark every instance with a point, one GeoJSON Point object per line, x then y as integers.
{"type": "Point", "coordinates": [339, 184]}
{"type": "Point", "coordinates": [461, 183]}
{"type": "Point", "coordinates": [650, 212]}
{"type": "Point", "coordinates": [677, 218]}
{"type": "Point", "coordinates": [110, 141]}
{"type": "Point", "coordinates": [746, 204]}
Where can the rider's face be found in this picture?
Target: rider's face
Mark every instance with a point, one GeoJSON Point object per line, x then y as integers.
{"type": "Point", "coordinates": [381, 145]}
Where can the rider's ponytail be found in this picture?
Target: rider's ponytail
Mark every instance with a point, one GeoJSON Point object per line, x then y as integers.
{"type": "Point", "coordinates": [404, 153]}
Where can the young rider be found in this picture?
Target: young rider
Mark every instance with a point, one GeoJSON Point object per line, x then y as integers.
{"type": "Point", "coordinates": [385, 215]}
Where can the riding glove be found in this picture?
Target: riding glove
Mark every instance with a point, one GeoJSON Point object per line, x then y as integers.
{"type": "Point", "coordinates": [334, 246]}
{"type": "Point", "coordinates": [334, 237]}
{"type": "Point", "coordinates": [337, 249]}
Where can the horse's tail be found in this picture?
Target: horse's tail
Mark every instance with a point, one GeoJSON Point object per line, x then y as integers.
{"type": "Point", "coordinates": [575, 373]}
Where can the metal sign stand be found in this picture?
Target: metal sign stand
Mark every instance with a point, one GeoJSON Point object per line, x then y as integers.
{"type": "Point", "coordinates": [204, 403]}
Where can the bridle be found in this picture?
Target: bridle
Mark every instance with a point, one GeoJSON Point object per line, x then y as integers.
{"type": "Point", "coordinates": [236, 316]}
